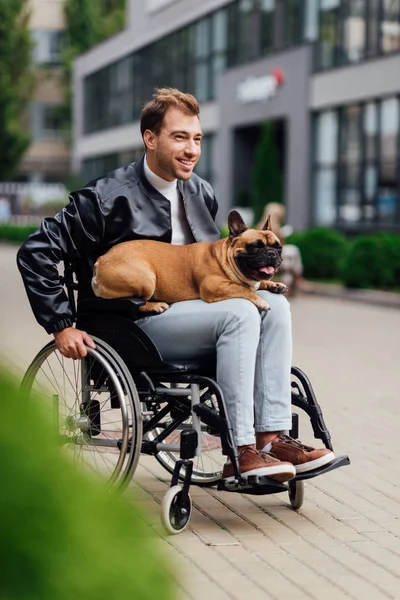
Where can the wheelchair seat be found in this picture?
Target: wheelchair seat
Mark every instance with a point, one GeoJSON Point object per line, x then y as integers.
{"type": "Point", "coordinates": [133, 345]}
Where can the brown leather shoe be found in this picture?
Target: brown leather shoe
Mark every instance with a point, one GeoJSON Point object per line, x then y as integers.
{"type": "Point", "coordinates": [252, 462]}
{"type": "Point", "coordinates": [304, 458]}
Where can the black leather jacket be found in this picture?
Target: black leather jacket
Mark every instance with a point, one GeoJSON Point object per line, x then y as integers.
{"type": "Point", "coordinates": [119, 207]}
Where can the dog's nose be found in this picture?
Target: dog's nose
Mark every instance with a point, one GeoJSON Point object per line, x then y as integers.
{"type": "Point", "coordinates": [271, 253]}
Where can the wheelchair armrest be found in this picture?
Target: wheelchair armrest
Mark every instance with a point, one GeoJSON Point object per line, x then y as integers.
{"type": "Point", "coordinates": [128, 305]}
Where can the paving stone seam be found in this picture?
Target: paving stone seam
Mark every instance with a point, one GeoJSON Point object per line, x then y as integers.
{"type": "Point", "coordinates": [169, 541]}
{"type": "Point", "coordinates": [283, 547]}
{"type": "Point", "coordinates": [373, 507]}
{"type": "Point", "coordinates": [345, 565]}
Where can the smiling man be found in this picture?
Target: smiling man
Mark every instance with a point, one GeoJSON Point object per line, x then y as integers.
{"type": "Point", "coordinates": [160, 198]}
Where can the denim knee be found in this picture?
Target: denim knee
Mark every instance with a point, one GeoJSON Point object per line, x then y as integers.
{"type": "Point", "coordinates": [280, 314]}
{"type": "Point", "coordinates": [243, 312]}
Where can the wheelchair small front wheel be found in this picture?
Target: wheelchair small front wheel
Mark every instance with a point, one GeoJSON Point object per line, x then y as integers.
{"type": "Point", "coordinates": [296, 493]}
{"type": "Point", "coordinates": [176, 508]}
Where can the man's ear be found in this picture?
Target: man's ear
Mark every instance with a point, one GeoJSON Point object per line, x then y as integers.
{"type": "Point", "coordinates": [236, 224]}
{"type": "Point", "coordinates": [149, 139]}
{"type": "Point", "coordinates": [267, 224]}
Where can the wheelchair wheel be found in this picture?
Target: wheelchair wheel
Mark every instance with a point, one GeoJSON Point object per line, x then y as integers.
{"type": "Point", "coordinates": [296, 493]}
{"type": "Point", "coordinates": [95, 409]}
{"type": "Point", "coordinates": [207, 468]}
{"type": "Point", "coordinates": [175, 510]}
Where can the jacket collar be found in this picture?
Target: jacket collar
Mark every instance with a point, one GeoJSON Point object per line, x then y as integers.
{"type": "Point", "coordinates": [145, 183]}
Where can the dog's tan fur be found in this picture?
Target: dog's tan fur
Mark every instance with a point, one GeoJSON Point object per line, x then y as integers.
{"type": "Point", "coordinates": [163, 273]}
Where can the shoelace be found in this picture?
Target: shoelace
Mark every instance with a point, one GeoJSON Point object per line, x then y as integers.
{"type": "Point", "coordinates": [293, 442]}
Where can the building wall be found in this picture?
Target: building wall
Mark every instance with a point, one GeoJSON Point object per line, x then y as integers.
{"type": "Point", "coordinates": [48, 157]}
{"type": "Point", "coordinates": [374, 78]}
{"type": "Point", "coordinates": [290, 103]}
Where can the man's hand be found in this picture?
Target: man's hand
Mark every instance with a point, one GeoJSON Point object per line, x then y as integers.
{"type": "Point", "coordinates": [71, 342]}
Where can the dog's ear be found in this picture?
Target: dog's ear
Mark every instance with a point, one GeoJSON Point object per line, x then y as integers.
{"type": "Point", "coordinates": [267, 224]}
{"type": "Point", "coordinates": [236, 224]}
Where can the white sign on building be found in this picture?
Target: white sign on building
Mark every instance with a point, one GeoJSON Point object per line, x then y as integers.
{"type": "Point", "coordinates": [259, 89]}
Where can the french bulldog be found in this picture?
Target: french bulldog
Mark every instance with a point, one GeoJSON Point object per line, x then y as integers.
{"type": "Point", "coordinates": [161, 273]}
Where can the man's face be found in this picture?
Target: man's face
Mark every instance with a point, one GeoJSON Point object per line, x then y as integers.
{"type": "Point", "coordinates": [175, 151]}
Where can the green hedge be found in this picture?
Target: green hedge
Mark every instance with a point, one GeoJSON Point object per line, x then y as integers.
{"type": "Point", "coordinates": [323, 252]}
{"type": "Point", "coordinates": [63, 536]}
{"type": "Point", "coordinates": [373, 261]}
{"type": "Point", "coordinates": [16, 233]}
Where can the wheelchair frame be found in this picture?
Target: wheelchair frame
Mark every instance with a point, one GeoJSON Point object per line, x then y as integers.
{"type": "Point", "coordinates": [140, 374]}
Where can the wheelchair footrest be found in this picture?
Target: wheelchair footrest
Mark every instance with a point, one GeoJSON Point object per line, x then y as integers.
{"type": "Point", "coordinates": [254, 485]}
{"type": "Point", "coordinates": [339, 461]}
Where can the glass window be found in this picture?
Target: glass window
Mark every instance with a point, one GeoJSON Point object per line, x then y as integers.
{"type": "Point", "coordinates": [311, 20]}
{"type": "Point", "coordinates": [354, 34]}
{"type": "Point", "coordinates": [389, 130]}
{"type": "Point", "coordinates": [370, 130]}
{"type": "Point", "coordinates": [360, 176]}
{"type": "Point", "coordinates": [326, 137]}
{"type": "Point", "coordinates": [46, 122]}
{"type": "Point", "coordinates": [267, 14]}
{"type": "Point", "coordinates": [351, 134]}
{"type": "Point", "coordinates": [190, 59]}
{"type": "Point", "coordinates": [293, 21]}
{"type": "Point", "coordinates": [325, 196]}
{"type": "Point", "coordinates": [219, 36]}
{"type": "Point", "coordinates": [247, 40]}
{"type": "Point", "coordinates": [328, 51]}
{"type": "Point", "coordinates": [47, 47]}
{"type": "Point", "coordinates": [390, 26]}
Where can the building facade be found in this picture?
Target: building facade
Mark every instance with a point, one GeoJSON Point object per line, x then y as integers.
{"type": "Point", "coordinates": [325, 74]}
{"type": "Point", "coordinates": [47, 160]}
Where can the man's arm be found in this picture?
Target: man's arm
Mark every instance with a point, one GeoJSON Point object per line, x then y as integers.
{"type": "Point", "coordinates": [76, 230]}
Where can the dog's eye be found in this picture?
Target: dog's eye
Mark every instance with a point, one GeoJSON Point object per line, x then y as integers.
{"type": "Point", "coordinates": [255, 245]}
{"type": "Point", "coordinates": [277, 245]}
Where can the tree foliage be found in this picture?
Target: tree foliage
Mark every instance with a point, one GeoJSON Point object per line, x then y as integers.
{"type": "Point", "coordinates": [16, 83]}
{"type": "Point", "coordinates": [267, 176]}
{"type": "Point", "coordinates": [88, 23]}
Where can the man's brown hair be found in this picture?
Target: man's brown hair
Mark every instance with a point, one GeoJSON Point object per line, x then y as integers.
{"type": "Point", "coordinates": [153, 112]}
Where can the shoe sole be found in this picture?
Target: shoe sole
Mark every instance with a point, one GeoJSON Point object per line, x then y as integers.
{"type": "Point", "coordinates": [275, 473]}
{"type": "Point", "coordinates": [315, 464]}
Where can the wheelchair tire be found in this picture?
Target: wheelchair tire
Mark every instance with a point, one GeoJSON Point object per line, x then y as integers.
{"type": "Point", "coordinates": [175, 510]}
{"type": "Point", "coordinates": [296, 493]}
{"type": "Point", "coordinates": [95, 408]}
{"type": "Point", "coordinates": [207, 468]}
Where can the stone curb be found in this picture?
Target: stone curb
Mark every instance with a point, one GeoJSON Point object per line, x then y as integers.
{"type": "Point", "coordinates": [371, 297]}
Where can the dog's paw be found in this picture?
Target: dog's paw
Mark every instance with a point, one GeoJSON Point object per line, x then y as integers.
{"type": "Point", "coordinates": [160, 307]}
{"type": "Point", "coordinates": [263, 305]}
{"type": "Point", "coordinates": [278, 288]}
{"type": "Point", "coordinates": [154, 307]}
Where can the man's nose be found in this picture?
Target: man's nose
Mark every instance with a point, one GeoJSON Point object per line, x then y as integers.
{"type": "Point", "coordinates": [192, 148]}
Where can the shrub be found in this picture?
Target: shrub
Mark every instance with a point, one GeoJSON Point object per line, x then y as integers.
{"type": "Point", "coordinates": [16, 233]}
{"type": "Point", "coordinates": [373, 262]}
{"type": "Point", "coordinates": [322, 250]}
{"type": "Point", "coordinates": [62, 535]}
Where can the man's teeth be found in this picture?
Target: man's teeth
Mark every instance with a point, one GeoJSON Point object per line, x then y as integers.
{"type": "Point", "coordinates": [186, 162]}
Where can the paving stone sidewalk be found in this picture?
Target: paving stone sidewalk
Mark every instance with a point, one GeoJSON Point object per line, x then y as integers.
{"type": "Point", "coordinates": [345, 541]}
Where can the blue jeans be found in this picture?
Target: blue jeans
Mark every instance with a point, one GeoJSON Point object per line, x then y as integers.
{"type": "Point", "coordinates": [254, 355]}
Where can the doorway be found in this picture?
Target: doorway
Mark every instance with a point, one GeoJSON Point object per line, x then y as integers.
{"type": "Point", "coordinates": [259, 165]}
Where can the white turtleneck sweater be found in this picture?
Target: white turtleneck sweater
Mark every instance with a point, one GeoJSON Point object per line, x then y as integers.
{"type": "Point", "coordinates": [181, 233]}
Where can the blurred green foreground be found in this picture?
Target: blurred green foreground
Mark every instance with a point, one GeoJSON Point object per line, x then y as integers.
{"type": "Point", "coordinates": [62, 536]}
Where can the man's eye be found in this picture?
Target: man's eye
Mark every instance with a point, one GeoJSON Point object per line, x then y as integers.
{"type": "Point", "coordinates": [179, 137]}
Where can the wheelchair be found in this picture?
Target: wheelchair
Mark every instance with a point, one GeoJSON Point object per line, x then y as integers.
{"type": "Point", "coordinates": [122, 400]}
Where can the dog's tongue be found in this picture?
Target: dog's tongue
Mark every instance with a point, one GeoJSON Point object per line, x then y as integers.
{"type": "Point", "coordinates": [267, 270]}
